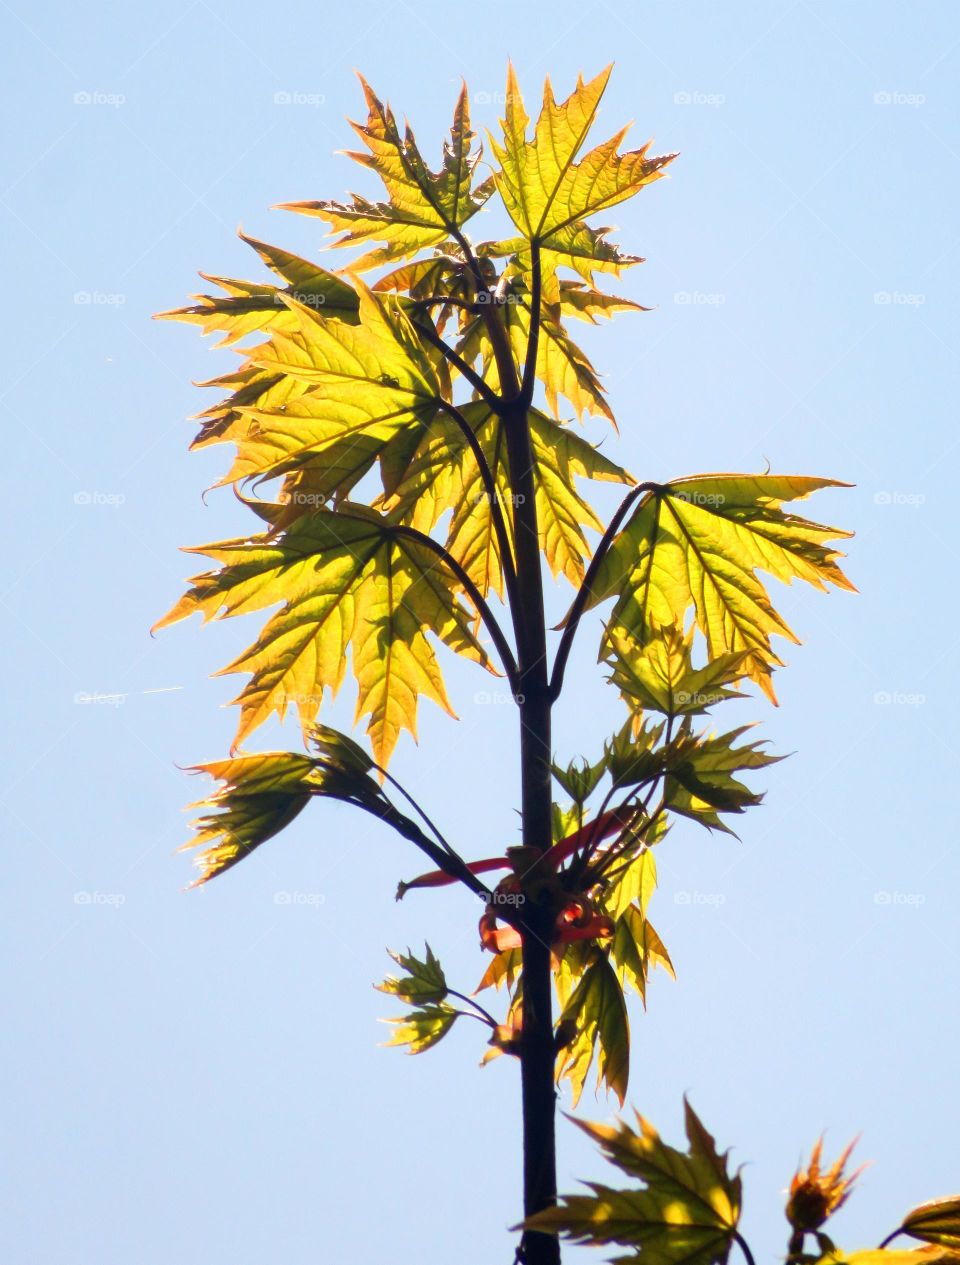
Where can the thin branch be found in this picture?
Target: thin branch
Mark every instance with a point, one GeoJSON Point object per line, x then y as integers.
{"type": "Point", "coordinates": [451, 864]}
{"type": "Point", "coordinates": [742, 1244]}
{"type": "Point", "coordinates": [485, 1014]}
{"type": "Point", "coordinates": [489, 397]}
{"type": "Point", "coordinates": [416, 807]}
{"type": "Point", "coordinates": [890, 1237]}
{"type": "Point", "coordinates": [490, 487]}
{"type": "Point", "coordinates": [533, 340]}
{"type": "Point", "coordinates": [483, 609]}
{"type": "Point", "coordinates": [586, 588]}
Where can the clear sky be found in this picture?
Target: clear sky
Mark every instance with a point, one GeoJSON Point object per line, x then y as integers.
{"type": "Point", "coordinates": [197, 1077]}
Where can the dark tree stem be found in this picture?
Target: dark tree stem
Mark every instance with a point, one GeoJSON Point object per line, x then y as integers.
{"type": "Point", "coordinates": [537, 918]}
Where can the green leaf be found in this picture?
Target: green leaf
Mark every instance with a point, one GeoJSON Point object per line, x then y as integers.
{"type": "Point", "coordinates": [698, 543]}
{"type": "Point", "coordinates": [936, 1255]}
{"type": "Point", "coordinates": [263, 792]}
{"type": "Point", "coordinates": [424, 982]}
{"type": "Point", "coordinates": [423, 1027]}
{"type": "Point", "coordinates": [598, 1014]}
{"type": "Point", "coordinates": [424, 207]}
{"type": "Point", "coordinates": [346, 580]}
{"type": "Point", "coordinates": [580, 778]}
{"type": "Point", "coordinates": [548, 194]}
{"type": "Point", "coordinates": [260, 795]}
{"type": "Point", "coordinates": [249, 307]}
{"type": "Point", "coordinates": [660, 674]}
{"type": "Point", "coordinates": [443, 477]}
{"type": "Point", "coordinates": [369, 382]}
{"type": "Point", "coordinates": [636, 950]}
{"type": "Point", "coordinates": [686, 1213]}
{"type": "Point", "coordinates": [637, 883]}
{"type": "Point", "coordinates": [700, 782]}
{"type": "Point", "coordinates": [935, 1222]}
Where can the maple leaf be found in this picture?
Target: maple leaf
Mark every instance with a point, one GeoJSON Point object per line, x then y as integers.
{"type": "Point", "coordinates": [249, 307]}
{"type": "Point", "coordinates": [424, 208]}
{"type": "Point", "coordinates": [347, 579]}
{"type": "Point", "coordinates": [548, 194]}
{"type": "Point", "coordinates": [685, 1213]}
{"type": "Point", "coordinates": [596, 1016]}
{"type": "Point", "coordinates": [698, 543]}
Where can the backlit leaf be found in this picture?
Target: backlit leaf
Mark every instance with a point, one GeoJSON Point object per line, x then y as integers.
{"type": "Point", "coordinates": [698, 543]}
{"type": "Point", "coordinates": [346, 580]}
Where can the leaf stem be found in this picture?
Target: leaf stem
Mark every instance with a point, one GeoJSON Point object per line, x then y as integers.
{"type": "Point", "coordinates": [490, 487]}
{"type": "Point", "coordinates": [890, 1237]}
{"type": "Point", "coordinates": [454, 358]}
{"type": "Point", "coordinates": [483, 610]}
{"type": "Point", "coordinates": [484, 1014]}
{"type": "Point", "coordinates": [744, 1247]}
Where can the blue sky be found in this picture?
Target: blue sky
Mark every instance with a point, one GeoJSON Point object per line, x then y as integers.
{"type": "Point", "coordinates": [197, 1077]}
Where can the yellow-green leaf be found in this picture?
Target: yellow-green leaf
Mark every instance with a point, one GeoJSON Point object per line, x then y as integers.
{"type": "Point", "coordinates": [424, 982]}
{"type": "Point", "coordinates": [424, 207]}
{"type": "Point", "coordinates": [686, 1213]}
{"type": "Point", "coordinates": [698, 544]}
{"type": "Point", "coordinates": [935, 1222]}
{"type": "Point", "coordinates": [423, 1028]}
{"type": "Point", "coordinates": [347, 580]}
{"type": "Point", "coordinates": [597, 1012]}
